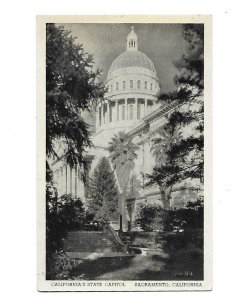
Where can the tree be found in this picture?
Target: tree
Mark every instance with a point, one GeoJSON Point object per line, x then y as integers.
{"type": "Point", "coordinates": [103, 191]}
{"type": "Point", "coordinates": [166, 161]}
{"type": "Point", "coordinates": [71, 87]}
{"type": "Point", "coordinates": [122, 155]}
{"type": "Point", "coordinates": [150, 217]}
{"type": "Point", "coordinates": [180, 144]}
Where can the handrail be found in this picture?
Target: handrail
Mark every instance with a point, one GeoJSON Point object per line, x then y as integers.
{"type": "Point", "coordinates": [115, 236]}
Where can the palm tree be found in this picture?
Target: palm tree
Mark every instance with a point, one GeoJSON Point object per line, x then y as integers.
{"type": "Point", "coordinates": [122, 155]}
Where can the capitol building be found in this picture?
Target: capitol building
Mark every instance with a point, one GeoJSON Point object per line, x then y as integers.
{"type": "Point", "coordinates": [131, 106]}
{"type": "Point", "coordinates": [133, 87]}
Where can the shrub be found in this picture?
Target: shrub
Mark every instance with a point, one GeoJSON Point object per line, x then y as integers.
{"type": "Point", "coordinates": [72, 211]}
{"type": "Point", "coordinates": [151, 218]}
{"type": "Point", "coordinates": [60, 266]}
{"type": "Point", "coordinates": [190, 217]}
{"type": "Point", "coordinates": [62, 214]}
{"type": "Point", "coordinates": [155, 218]}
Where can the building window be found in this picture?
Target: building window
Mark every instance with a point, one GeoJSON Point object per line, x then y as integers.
{"type": "Point", "coordinates": [145, 85]}
{"type": "Point", "coordinates": [124, 84]}
{"type": "Point", "coordinates": [131, 84]}
{"type": "Point", "coordinates": [130, 112]}
{"type": "Point", "coordinates": [111, 88]}
{"type": "Point", "coordinates": [139, 112]}
{"type": "Point", "coordinates": [116, 85]}
{"type": "Point", "coordinates": [151, 86]}
{"type": "Point", "coordinates": [138, 84]}
{"type": "Point", "coordinates": [123, 112]}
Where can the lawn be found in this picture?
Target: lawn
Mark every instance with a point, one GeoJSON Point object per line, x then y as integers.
{"type": "Point", "coordinates": [184, 264]}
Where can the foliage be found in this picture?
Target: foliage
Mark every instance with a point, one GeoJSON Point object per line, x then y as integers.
{"type": "Point", "coordinates": [190, 217]}
{"type": "Point", "coordinates": [154, 218]}
{"type": "Point", "coordinates": [103, 191]}
{"type": "Point", "coordinates": [62, 214]}
{"type": "Point", "coordinates": [122, 154]}
{"type": "Point", "coordinates": [179, 144]}
{"type": "Point", "coordinates": [71, 87]}
{"type": "Point", "coordinates": [72, 210]}
{"type": "Point", "coordinates": [150, 218]}
{"type": "Point", "coordinates": [188, 225]}
{"type": "Point", "coordinates": [59, 266]}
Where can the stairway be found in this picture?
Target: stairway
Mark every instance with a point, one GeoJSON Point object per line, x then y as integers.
{"type": "Point", "coordinates": [91, 241]}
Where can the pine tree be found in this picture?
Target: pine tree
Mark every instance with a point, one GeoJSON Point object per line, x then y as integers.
{"type": "Point", "coordinates": [71, 88]}
{"type": "Point", "coordinates": [179, 145]}
{"type": "Point", "coordinates": [104, 194]}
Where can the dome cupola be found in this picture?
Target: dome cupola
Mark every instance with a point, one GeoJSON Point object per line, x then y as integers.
{"type": "Point", "coordinates": [132, 41]}
{"type": "Point", "coordinates": [131, 58]}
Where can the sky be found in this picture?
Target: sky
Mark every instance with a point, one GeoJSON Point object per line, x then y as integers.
{"type": "Point", "coordinates": [162, 43]}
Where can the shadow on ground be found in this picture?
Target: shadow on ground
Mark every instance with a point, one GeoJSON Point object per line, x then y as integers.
{"type": "Point", "coordinates": [180, 265]}
{"type": "Point", "coordinates": [94, 268]}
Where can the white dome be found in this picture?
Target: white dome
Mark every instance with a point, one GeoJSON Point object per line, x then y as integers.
{"type": "Point", "coordinates": [131, 59]}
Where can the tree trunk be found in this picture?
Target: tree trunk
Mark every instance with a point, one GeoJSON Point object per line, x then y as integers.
{"type": "Point", "coordinates": [165, 196]}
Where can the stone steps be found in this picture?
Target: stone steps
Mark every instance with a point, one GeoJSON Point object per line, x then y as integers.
{"type": "Point", "coordinates": [90, 241]}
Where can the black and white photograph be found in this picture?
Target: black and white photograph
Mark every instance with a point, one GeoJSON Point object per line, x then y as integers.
{"type": "Point", "coordinates": [124, 153]}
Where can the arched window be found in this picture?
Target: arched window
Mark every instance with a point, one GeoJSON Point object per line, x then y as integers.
{"type": "Point", "coordinates": [145, 85]}
{"type": "Point", "coordinates": [130, 112]}
{"type": "Point", "coordinates": [138, 84]}
{"type": "Point", "coordinates": [131, 84]}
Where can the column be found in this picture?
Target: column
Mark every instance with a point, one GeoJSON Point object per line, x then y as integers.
{"type": "Point", "coordinates": [103, 113]}
{"type": "Point", "coordinates": [135, 117]}
{"type": "Point", "coordinates": [63, 180]}
{"type": "Point", "coordinates": [126, 110]}
{"type": "Point", "coordinates": [116, 107]}
{"type": "Point", "coordinates": [76, 180]}
{"type": "Point", "coordinates": [145, 107]}
{"type": "Point", "coordinates": [60, 180]}
{"type": "Point", "coordinates": [100, 122]}
{"type": "Point", "coordinates": [108, 112]}
{"type": "Point", "coordinates": [70, 174]}
{"type": "Point", "coordinates": [97, 117]}
{"type": "Point", "coordinates": [66, 179]}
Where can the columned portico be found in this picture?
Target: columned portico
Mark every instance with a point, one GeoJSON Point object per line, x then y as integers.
{"type": "Point", "coordinates": [128, 109]}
